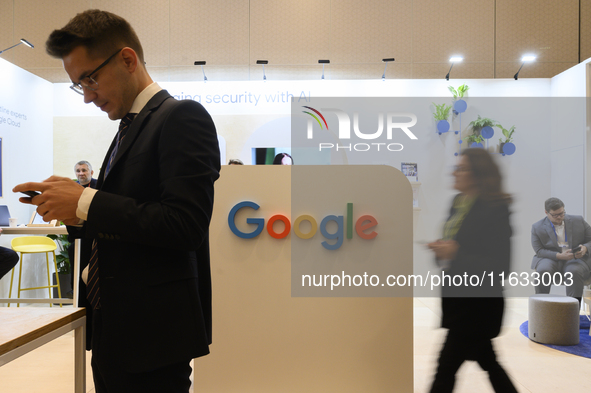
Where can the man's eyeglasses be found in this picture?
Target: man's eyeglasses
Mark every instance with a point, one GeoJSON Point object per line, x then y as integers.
{"type": "Point", "coordinates": [87, 82]}
{"type": "Point", "coordinates": [558, 215]}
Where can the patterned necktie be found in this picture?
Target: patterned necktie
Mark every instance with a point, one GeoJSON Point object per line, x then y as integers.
{"type": "Point", "coordinates": [92, 286]}
{"type": "Point", "coordinates": [123, 127]}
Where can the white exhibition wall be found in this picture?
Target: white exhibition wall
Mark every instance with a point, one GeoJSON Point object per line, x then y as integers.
{"type": "Point", "coordinates": [571, 141]}
{"type": "Point", "coordinates": [550, 148]}
{"type": "Point", "coordinates": [26, 129]}
{"type": "Point", "coordinates": [576, 82]}
{"type": "Point", "coordinates": [550, 157]}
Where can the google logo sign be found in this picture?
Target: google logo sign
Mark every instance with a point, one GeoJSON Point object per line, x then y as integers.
{"type": "Point", "coordinates": [363, 226]}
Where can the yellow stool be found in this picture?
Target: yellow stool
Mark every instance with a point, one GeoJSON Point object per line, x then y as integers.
{"type": "Point", "coordinates": [34, 245]}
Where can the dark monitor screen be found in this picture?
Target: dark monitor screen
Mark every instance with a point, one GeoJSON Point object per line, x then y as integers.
{"type": "Point", "coordinates": [4, 216]}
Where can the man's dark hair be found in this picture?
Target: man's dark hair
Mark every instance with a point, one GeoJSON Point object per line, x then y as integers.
{"type": "Point", "coordinates": [553, 204]}
{"type": "Point", "coordinates": [101, 32]}
{"type": "Point", "coordinates": [279, 158]}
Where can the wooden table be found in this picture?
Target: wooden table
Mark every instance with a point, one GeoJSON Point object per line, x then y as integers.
{"type": "Point", "coordinates": [24, 329]}
{"type": "Point", "coordinates": [61, 230]}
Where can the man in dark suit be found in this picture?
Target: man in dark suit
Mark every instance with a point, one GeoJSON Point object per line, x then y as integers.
{"type": "Point", "coordinates": [555, 239]}
{"type": "Point", "coordinates": [149, 218]}
{"type": "Point", "coordinates": [84, 172]}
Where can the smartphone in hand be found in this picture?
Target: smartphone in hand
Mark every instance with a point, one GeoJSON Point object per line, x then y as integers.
{"type": "Point", "coordinates": [31, 193]}
{"type": "Point", "coordinates": [576, 250]}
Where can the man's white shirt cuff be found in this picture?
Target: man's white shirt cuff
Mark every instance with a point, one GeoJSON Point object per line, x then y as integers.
{"type": "Point", "coordinates": [84, 203]}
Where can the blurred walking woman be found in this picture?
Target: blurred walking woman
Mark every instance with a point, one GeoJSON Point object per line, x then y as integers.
{"type": "Point", "coordinates": [476, 241]}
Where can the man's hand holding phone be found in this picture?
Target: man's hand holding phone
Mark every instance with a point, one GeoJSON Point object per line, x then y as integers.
{"type": "Point", "coordinates": [56, 199]}
{"type": "Point", "coordinates": [579, 251]}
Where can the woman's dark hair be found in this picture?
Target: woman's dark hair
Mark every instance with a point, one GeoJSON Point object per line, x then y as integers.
{"type": "Point", "coordinates": [486, 175]}
{"type": "Point", "coordinates": [279, 157]}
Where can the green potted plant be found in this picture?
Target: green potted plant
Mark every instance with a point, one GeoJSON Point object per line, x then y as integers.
{"type": "Point", "coordinates": [459, 104]}
{"type": "Point", "coordinates": [460, 92]}
{"type": "Point", "coordinates": [474, 140]}
{"type": "Point", "coordinates": [478, 124]}
{"type": "Point", "coordinates": [508, 136]}
{"type": "Point", "coordinates": [441, 115]}
{"type": "Point", "coordinates": [62, 260]}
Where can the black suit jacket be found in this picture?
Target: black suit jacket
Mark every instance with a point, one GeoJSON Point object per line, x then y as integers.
{"type": "Point", "coordinates": [484, 239]}
{"type": "Point", "coordinates": [150, 219]}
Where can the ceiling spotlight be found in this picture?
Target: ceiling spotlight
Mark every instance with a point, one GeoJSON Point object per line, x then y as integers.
{"type": "Point", "coordinates": [453, 60]}
{"type": "Point", "coordinates": [27, 43]}
{"type": "Point", "coordinates": [323, 62]}
{"type": "Point", "coordinates": [263, 62]}
{"type": "Point", "coordinates": [388, 60]}
{"type": "Point", "coordinates": [202, 63]}
{"type": "Point", "coordinates": [23, 41]}
{"type": "Point", "coordinates": [524, 59]}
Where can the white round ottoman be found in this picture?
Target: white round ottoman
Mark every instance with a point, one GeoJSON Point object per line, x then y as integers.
{"type": "Point", "coordinates": [553, 319]}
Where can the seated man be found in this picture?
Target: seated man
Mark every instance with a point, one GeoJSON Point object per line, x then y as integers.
{"type": "Point", "coordinates": [554, 239]}
{"type": "Point", "coordinates": [8, 260]}
{"type": "Point", "coordinates": [84, 173]}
